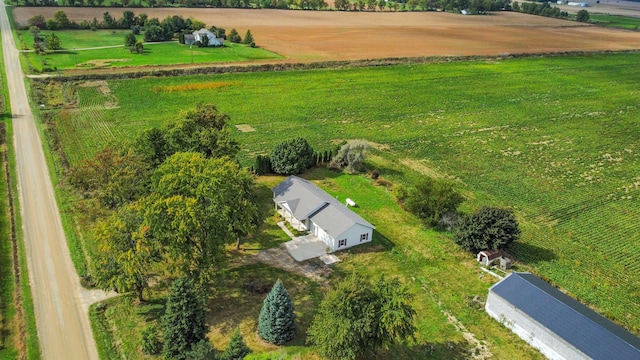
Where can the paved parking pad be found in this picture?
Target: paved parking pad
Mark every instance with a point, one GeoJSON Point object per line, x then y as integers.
{"type": "Point", "coordinates": [306, 247]}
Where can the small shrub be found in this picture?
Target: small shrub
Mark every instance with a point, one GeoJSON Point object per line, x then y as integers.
{"type": "Point", "coordinates": [400, 192]}
{"type": "Point", "coordinates": [151, 344]}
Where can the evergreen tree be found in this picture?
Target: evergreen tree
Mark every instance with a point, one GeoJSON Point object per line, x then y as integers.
{"type": "Point", "coordinates": [234, 36]}
{"type": "Point", "coordinates": [184, 320]}
{"type": "Point", "coordinates": [237, 349]}
{"type": "Point", "coordinates": [248, 38]}
{"type": "Point", "coordinates": [277, 322]}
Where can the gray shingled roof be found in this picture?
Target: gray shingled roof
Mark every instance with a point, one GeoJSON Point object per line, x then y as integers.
{"type": "Point", "coordinates": [308, 201]}
{"type": "Point", "coordinates": [588, 331]}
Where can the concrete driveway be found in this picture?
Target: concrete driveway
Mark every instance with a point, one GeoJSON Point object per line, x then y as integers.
{"type": "Point", "coordinates": [306, 247]}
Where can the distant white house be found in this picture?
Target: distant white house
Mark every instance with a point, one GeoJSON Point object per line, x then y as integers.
{"type": "Point", "coordinates": [211, 37]}
{"type": "Point", "coordinates": [309, 208]}
{"type": "Point", "coordinates": [554, 323]}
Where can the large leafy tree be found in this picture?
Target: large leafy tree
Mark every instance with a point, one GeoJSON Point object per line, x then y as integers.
{"type": "Point", "coordinates": [127, 254]}
{"type": "Point", "coordinates": [277, 321]}
{"type": "Point", "coordinates": [129, 40]}
{"type": "Point", "coordinates": [582, 16]}
{"type": "Point", "coordinates": [360, 316]}
{"type": "Point", "coordinates": [153, 145]}
{"type": "Point", "coordinates": [204, 130]}
{"type": "Point", "coordinates": [184, 322]}
{"type": "Point", "coordinates": [114, 178]}
{"type": "Point", "coordinates": [53, 42]}
{"type": "Point", "coordinates": [198, 205]}
{"type": "Point", "coordinates": [431, 198]}
{"type": "Point", "coordinates": [489, 228]}
{"type": "Point", "coordinates": [291, 157]}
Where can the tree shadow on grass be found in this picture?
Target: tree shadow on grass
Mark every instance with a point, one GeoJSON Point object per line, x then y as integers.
{"type": "Point", "coordinates": [446, 350]}
{"type": "Point", "coordinates": [152, 310]}
{"type": "Point", "coordinates": [530, 254]}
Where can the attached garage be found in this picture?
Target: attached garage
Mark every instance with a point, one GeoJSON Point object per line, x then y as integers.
{"type": "Point", "coordinates": [309, 208]}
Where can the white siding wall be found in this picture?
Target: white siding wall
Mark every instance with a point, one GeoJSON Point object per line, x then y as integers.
{"type": "Point", "coordinates": [353, 236]}
{"type": "Point", "coordinates": [538, 336]}
{"type": "Point", "coordinates": [322, 235]}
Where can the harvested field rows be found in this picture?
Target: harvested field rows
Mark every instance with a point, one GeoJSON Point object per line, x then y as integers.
{"type": "Point", "coordinates": [328, 35]}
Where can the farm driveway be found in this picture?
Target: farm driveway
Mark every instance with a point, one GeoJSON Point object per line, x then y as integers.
{"type": "Point", "coordinates": [60, 303]}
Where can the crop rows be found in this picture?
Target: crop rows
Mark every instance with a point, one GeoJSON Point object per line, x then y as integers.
{"type": "Point", "coordinates": [530, 134]}
{"type": "Point", "coordinates": [89, 128]}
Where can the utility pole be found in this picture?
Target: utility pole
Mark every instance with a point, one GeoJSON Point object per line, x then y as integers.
{"type": "Point", "coordinates": [191, 48]}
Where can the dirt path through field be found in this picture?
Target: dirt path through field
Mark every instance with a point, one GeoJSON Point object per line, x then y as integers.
{"type": "Point", "coordinates": [336, 35]}
{"type": "Point", "coordinates": [60, 303]}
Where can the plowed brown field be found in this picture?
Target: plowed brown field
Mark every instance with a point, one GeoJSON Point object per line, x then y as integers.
{"type": "Point", "coordinates": [329, 35]}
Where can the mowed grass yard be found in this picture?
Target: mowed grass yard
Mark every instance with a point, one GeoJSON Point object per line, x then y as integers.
{"type": "Point", "coordinates": [77, 53]}
{"type": "Point", "coordinates": [615, 21]}
{"type": "Point", "coordinates": [556, 139]}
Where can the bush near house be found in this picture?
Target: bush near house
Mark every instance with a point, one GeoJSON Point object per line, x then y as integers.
{"type": "Point", "coordinates": [291, 157]}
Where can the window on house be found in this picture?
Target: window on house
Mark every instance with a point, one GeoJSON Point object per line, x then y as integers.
{"type": "Point", "coordinates": [364, 237]}
{"type": "Point", "coordinates": [342, 242]}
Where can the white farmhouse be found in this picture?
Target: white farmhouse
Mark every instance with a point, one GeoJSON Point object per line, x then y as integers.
{"type": "Point", "coordinates": [212, 39]}
{"type": "Point", "coordinates": [556, 324]}
{"type": "Point", "coordinates": [309, 208]}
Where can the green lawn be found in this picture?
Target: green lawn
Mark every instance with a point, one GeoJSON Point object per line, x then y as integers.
{"type": "Point", "coordinates": [73, 41]}
{"type": "Point", "coordinates": [622, 22]}
{"type": "Point", "coordinates": [78, 39]}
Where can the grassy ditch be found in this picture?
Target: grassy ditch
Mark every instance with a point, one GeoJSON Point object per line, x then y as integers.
{"type": "Point", "coordinates": [18, 330]}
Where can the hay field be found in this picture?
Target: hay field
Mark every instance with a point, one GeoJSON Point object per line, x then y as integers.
{"type": "Point", "coordinates": [329, 35]}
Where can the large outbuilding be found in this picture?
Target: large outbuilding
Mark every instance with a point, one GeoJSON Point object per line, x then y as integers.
{"type": "Point", "coordinates": [308, 208]}
{"type": "Point", "coordinates": [556, 324]}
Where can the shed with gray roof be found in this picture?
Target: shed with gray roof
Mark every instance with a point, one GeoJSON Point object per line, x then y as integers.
{"type": "Point", "coordinates": [556, 324]}
{"type": "Point", "coordinates": [309, 208]}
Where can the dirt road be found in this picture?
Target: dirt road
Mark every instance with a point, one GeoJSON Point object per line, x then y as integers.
{"type": "Point", "coordinates": [60, 303]}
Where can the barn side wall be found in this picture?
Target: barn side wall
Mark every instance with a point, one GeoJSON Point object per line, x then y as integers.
{"type": "Point", "coordinates": [538, 336]}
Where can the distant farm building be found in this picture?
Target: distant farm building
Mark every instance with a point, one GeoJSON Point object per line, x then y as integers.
{"type": "Point", "coordinates": [189, 39]}
{"type": "Point", "coordinates": [556, 324]}
{"type": "Point", "coordinates": [212, 40]}
{"type": "Point", "coordinates": [308, 208]}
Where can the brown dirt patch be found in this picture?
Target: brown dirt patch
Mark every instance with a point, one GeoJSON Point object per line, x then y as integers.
{"type": "Point", "coordinates": [333, 35]}
{"type": "Point", "coordinates": [245, 128]}
{"type": "Point", "coordinates": [102, 86]}
{"type": "Point", "coordinates": [101, 62]}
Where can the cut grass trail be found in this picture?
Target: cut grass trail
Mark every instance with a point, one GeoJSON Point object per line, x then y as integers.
{"type": "Point", "coordinates": [553, 138]}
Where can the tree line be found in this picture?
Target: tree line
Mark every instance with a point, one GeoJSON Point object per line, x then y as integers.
{"type": "Point", "coordinates": [472, 6]}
